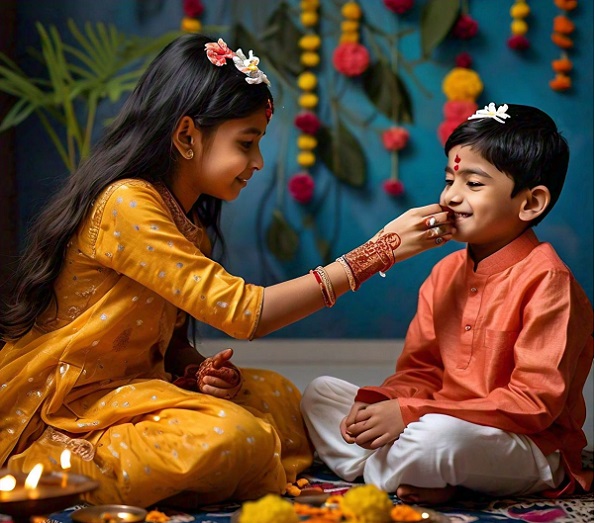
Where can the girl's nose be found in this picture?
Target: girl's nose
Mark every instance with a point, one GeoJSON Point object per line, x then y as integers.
{"type": "Point", "coordinates": [258, 161]}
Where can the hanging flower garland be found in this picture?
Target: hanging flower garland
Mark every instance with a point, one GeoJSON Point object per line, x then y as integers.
{"type": "Point", "coordinates": [192, 9]}
{"type": "Point", "coordinates": [462, 85]}
{"type": "Point", "coordinates": [561, 36]}
{"type": "Point", "coordinates": [396, 137]}
{"type": "Point", "coordinates": [519, 11]}
{"type": "Point", "coordinates": [350, 57]}
{"type": "Point", "coordinates": [301, 185]}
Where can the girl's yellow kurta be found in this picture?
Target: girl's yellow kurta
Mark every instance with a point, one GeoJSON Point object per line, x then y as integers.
{"type": "Point", "coordinates": [90, 375]}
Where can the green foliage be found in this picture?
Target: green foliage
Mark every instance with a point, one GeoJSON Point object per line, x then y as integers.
{"type": "Point", "coordinates": [342, 154]}
{"type": "Point", "coordinates": [103, 64]}
{"type": "Point", "coordinates": [437, 18]}
{"type": "Point", "coordinates": [282, 239]}
{"type": "Point", "coordinates": [387, 92]}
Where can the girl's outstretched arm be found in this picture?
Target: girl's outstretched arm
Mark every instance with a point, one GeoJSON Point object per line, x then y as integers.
{"type": "Point", "coordinates": [416, 230]}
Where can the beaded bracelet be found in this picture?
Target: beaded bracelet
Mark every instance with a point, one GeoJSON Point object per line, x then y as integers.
{"type": "Point", "coordinates": [325, 285]}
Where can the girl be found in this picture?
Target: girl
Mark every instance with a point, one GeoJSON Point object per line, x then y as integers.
{"type": "Point", "coordinates": [97, 358]}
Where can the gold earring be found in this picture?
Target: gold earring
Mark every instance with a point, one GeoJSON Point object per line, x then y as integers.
{"type": "Point", "coordinates": [189, 154]}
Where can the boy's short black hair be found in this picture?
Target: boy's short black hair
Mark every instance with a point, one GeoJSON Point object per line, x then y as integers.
{"type": "Point", "coordinates": [527, 147]}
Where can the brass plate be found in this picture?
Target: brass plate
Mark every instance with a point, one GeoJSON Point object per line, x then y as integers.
{"type": "Point", "coordinates": [109, 514]}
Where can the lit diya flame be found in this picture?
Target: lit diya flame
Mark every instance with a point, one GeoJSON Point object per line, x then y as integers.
{"type": "Point", "coordinates": [65, 464]}
{"type": "Point", "coordinates": [34, 476]}
{"type": "Point", "coordinates": [8, 483]}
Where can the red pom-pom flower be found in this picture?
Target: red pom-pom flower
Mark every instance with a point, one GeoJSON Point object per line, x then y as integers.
{"type": "Point", "coordinates": [351, 59]}
{"type": "Point", "coordinates": [465, 27]}
{"type": "Point", "coordinates": [393, 187]}
{"type": "Point", "coordinates": [395, 138]}
{"type": "Point", "coordinates": [193, 8]}
{"type": "Point", "coordinates": [399, 6]}
{"type": "Point", "coordinates": [307, 122]}
{"type": "Point", "coordinates": [301, 187]}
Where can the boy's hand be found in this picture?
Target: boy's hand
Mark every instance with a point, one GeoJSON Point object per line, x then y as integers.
{"type": "Point", "coordinates": [350, 419]}
{"type": "Point", "coordinates": [376, 425]}
{"type": "Point", "coordinates": [219, 377]}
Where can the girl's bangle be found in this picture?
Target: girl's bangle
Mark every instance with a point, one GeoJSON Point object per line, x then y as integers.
{"type": "Point", "coordinates": [325, 285]}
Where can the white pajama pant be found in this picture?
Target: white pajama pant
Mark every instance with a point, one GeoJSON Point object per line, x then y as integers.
{"type": "Point", "coordinates": [434, 452]}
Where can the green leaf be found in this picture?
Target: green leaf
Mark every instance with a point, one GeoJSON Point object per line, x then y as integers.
{"type": "Point", "coordinates": [324, 248]}
{"type": "Point", "coordinates": [18, 112]}
{"type": "Point", "coordinates": [343, 155]}
{"type": "Point", "coordinates": [387, 92]}
{"type": "Point", "coordinates": [282, 240]}
{"type": "Point", "coordinates": [281, 40]}
{"type": "Point", "coordinates": [437, 18]}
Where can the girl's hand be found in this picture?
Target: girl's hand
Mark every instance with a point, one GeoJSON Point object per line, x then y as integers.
{"type": "Point", "coordinates": [219, 377]}
{"type": "Point", "coordinates": [377, 424]}
{"type": "Point", "coordinates": [420, 229]}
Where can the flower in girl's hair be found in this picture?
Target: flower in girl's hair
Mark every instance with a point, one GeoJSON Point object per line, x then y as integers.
{"type": "Point", "coordinates": [307, 122]}
{"type": "Point", "coordinates": [393, 187]}
{"type": "Point", "coordinates": [301, 187]}
{"type": "Point", "coordinates": [218, 52]}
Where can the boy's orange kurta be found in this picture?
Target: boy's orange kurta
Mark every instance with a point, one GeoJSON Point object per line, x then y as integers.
{"type": "Point", "coordinates": [508, 345]}
{"type": "Point", "coordinates": [90, 376]}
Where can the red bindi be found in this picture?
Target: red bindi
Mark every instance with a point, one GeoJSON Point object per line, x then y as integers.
{"type": "Point", "coordinates": [457, 160]}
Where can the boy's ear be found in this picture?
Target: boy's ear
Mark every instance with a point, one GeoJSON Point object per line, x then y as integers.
{"type": "Point", "coordinates": [183, 137]}
{"type": "Point", "coordinates": [535, 203]}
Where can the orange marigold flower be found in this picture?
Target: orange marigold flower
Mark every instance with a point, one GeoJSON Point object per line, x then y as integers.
{"type": "Point", "coordinates": [560, 82]}
{"type": "Point", "coordinates": [562, 41]}
{"type": "Point", "coordinates": [566, 5]}
{"type": "Point", "coordinates": [562, 65]}
{"type": "Point", "coordinates": [563, 25]}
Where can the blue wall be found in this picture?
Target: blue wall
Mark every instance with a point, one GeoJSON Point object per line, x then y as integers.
{"type": "Point", "coordinates": [383, 307]}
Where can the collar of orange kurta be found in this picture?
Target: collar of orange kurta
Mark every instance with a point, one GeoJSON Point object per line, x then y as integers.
{"type": "Point", "coordinates": [506, 257]}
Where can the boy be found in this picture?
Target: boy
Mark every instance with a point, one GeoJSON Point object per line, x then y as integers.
{"type": "Point", "coordinates": [487, 393]}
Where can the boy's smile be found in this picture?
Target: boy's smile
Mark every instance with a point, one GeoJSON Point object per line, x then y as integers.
{"type": "Point", "coordinates": [486, 216]}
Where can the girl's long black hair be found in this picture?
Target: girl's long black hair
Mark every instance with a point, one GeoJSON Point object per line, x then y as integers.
{"type": "Point", "coordinates": [180, 81]}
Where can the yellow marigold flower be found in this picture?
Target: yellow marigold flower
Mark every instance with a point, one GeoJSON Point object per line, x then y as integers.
{"type": "Point", "coordinates": [307, 143]}
{"type": "Point", "coordinates": [351, 10]}
{"type": "Point", "coordinates": [310, 42]}
{"type": "Point", "coordinates": [520, 10]}
{"type": "Point", "coordinates": [308, 100]}
{"type": "Point", "coordinates": [191, 25]}
{"type": "Point", "coordinates": [268, 509]}
{"type": "Point", "coordinates": [367, 504]}
{"type": "Point", "coordinates": [462, 84]}
{"type": "Point", "coordinates": [309, 5]}
{"type": "Point", "coordinates": [351, 37]}
{"type": "Point", "coordinates": [307, 81]}
{"type": "Point", "coordinates": [349, 25]}
{"type": "Point", "coordinates": [309, 18]}
{"type": "Point", "coordinates": [310, 59]}
{"type": "Point", "coordinates": [305, 159]}
{"type": "Point", "coordinates": [519, 27]}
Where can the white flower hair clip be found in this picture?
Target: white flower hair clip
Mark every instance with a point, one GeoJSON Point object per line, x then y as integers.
{"type": "Point", "coordinates": [218, 52]}
{"type": "Point", "coordinates": [490, 111]}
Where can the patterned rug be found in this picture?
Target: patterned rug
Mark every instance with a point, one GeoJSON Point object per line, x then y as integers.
{"type": "Point", "coordinates": [574, 509]}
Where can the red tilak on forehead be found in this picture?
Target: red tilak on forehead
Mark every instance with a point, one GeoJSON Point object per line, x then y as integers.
{"type": "Point", "coordinates": [457, 160]}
